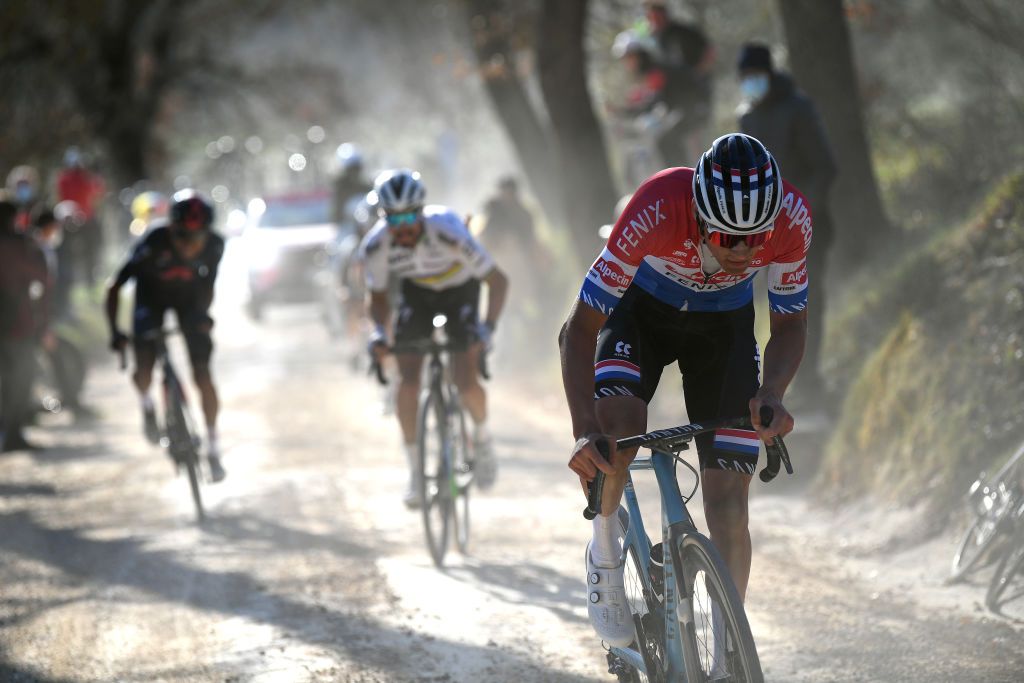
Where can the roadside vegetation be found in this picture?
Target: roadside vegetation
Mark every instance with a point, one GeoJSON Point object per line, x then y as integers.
{"type": "Point", "coordinates": [931, 350]}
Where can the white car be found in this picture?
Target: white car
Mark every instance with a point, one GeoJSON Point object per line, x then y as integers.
{"type": "Point", "coordinates": [283, 243]}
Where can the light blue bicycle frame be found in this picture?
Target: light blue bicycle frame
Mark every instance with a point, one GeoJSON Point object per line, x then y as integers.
{"type": "Point", "coordinates": [675, 524]}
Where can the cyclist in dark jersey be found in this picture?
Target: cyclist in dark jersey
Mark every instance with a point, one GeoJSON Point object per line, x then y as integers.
{"type": "Point", "coordinates": [675, 285]}
{"type": "Point", "coordinates": [174, 266]}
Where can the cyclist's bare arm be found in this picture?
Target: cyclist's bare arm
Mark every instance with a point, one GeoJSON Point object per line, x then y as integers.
{"type": "Point", "coordinates": [781, 360]}
{"type": "Point", "coordinates": [497, 293]}
{"type": "Point", "coordinates": [577, 344]}
{"type": "Point", "coordinates": [378, 307]}
{"type": "Point", "coordinates": [113, 304]}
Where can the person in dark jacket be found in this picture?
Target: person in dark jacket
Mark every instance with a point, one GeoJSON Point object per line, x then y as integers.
{"type": "Point", "coordinates": [23, 324]}
{"type": "Point", "coordinates": [787, 122]}
{"type": "Point", "coordinates": [686, 55]}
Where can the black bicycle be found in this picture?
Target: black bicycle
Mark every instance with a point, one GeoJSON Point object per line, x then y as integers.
{"type": "Point", "coordinates": [445, 461]}
{"type": "Point", "coordinates": [180, 436]}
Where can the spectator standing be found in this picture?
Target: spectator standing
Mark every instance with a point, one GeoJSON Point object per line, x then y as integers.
{"type": "Point", "coordinates": [23, 324]}
{"type": "Point", "coordinates": [787, 122]}
{"type": "Point", "coordinates": [686, 54]}
{"type": "Point", "coordinates": [350, 182]}
{"type": "Point", "coordinates": [509, 227]}
{"type": "Point", "coordinates": [23, 190]}
{"type": "Point", "coordinates": [78, 184]}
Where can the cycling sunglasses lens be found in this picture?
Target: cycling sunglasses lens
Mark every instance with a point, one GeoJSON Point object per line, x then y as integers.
{"type": "Point", "coordinates": [728, 241]}
{"type": "Point", "coordinates": [407, 218]}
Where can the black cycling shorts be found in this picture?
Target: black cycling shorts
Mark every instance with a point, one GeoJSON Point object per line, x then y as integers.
{"type": "Point", "coordinates": [716, 353]}
{"type": "Point", "coordinates": [417, 307]}
{"type": "Point", "coordinates": [195, 327]}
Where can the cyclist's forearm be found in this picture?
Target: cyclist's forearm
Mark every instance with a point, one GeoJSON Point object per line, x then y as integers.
{"type": "Point", "coordinates": [783, 354]}
{"type": "Point", "coordinates": [497, 293]}
{"type": "Point", "coordinates": [112, 305]}
{"type": "Point", "coordinates": [379, 310]}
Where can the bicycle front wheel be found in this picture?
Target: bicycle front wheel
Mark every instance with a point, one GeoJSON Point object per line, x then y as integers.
{"type": "Point", "coordinates": [435, 487]}
{"type": "Point", "coordinates": [643, 596]}
{"type": "Point", "coordinates": [183, 447]}
{"type": "Point", "coordinates": [1008, 573]}
{"type": "Point", "coordinates": [975, 544]}
{"type": "Point", "coordinates": [717, 643]}
{"type": "Point", "coordinates": [461, 474]}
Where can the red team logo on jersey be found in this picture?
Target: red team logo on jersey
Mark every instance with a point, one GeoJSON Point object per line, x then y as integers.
{"type": "Point", "coordinates": [611, 273]}
{"type": "Point", "coordinates": [795, 277]}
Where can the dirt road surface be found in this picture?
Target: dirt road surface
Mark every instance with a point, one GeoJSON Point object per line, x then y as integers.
{"type": "Point", "coordinates": [309, 568]}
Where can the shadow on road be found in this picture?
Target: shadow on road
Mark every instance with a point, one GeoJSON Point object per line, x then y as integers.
{"type": "Point", "coordinates": [347, 632]}
{"type": "Point", "coordinates": [527, 583]}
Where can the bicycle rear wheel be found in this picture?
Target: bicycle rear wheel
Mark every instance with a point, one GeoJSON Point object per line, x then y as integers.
{"type": "Point", "coordinates": [462, 473]}
{"type": "Point", "coordinates": [435, 485]}
{"type": "Point", "coordinates": [717, 643]}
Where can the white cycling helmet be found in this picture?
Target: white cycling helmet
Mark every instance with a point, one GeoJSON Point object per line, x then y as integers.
{"type": "Point", "coordinates": [737, 185]}
{"type": "Point", "coordinates": [399, 190]}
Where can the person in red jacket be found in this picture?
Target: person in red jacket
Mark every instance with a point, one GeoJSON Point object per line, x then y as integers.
{"type": "Point", "coordinates": [80, 185]}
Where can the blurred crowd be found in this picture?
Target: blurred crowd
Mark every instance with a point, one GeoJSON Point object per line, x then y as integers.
{"type": "Point", "coordinates": [50, 241]}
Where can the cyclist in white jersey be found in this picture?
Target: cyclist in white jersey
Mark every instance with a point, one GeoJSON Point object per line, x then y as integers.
{"type": "Point", "coordinates": [438, 266]}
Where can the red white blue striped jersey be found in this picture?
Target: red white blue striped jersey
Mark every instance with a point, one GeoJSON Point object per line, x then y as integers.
{"type": "Point", "coordinates": [656, 246]}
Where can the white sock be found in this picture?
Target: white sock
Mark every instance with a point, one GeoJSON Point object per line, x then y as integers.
{"type": "Point", "coordinates": [211, 439]}
{"type": "Point", "coordinates": [480, 432]}
{"type": "Point", "coordinates": [147, 402]}
{"type": "Point", "coordinates": [605, 548]}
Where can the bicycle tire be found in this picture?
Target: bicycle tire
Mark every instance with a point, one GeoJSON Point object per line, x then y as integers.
{"type": "Point", "coordinates": [461, 474]}
{"type": "Point", "coordinates": [182, 446]}
{"type": "Point", "coordinates": [1010, 564]}
{"type": "Point", "coordinates": [704, 577]}
{"type": "Point", "coordinates": [974, 545]}
{"type": "Point", "coordinates": [990, 523]}
{"type": "Point", "coordinates": [435, 494]}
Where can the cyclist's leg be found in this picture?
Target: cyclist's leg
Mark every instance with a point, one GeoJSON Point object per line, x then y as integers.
{"type": "Point", "coordinates": [196, 328]}
{"type": "Point", "coordinates": [626, 373]}
{"type": "Point", "coordinates": [719, 383]}
{"type": "Point", "coordinates": [146, 319]}
{"type": "Point", "coordinates": [461, 305]}
{"type": "Point", "coordinates": [410, 366]}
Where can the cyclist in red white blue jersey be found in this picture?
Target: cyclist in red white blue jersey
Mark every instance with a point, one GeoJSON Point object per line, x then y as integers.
{"type": "Point", "coordinates": [674, 284]}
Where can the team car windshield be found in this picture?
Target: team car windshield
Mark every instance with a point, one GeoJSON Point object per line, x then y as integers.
{"type": "Point", "coordinates": [292, 212]}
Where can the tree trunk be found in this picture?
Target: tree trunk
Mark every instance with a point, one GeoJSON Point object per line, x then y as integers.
{"type": "Point", "coordinates": [588, 189]}
{"type": "Point", "coordinates": [821, 57]}
{"type": "Point", "coordinates": [495, 55]}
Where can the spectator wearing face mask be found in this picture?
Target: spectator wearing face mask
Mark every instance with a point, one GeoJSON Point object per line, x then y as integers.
{"type": "Point", "coordinates": [23, 192]}
{"type": "Point", "coordinates": [787, 122]}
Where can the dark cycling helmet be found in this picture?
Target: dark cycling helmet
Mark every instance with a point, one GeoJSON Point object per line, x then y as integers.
{"type": "Point", "coordinates": [190, 212]}
{"type": "Point", "coordinates": [737, 185]}
{"type": "Point", "coordinates": [399, 190]}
